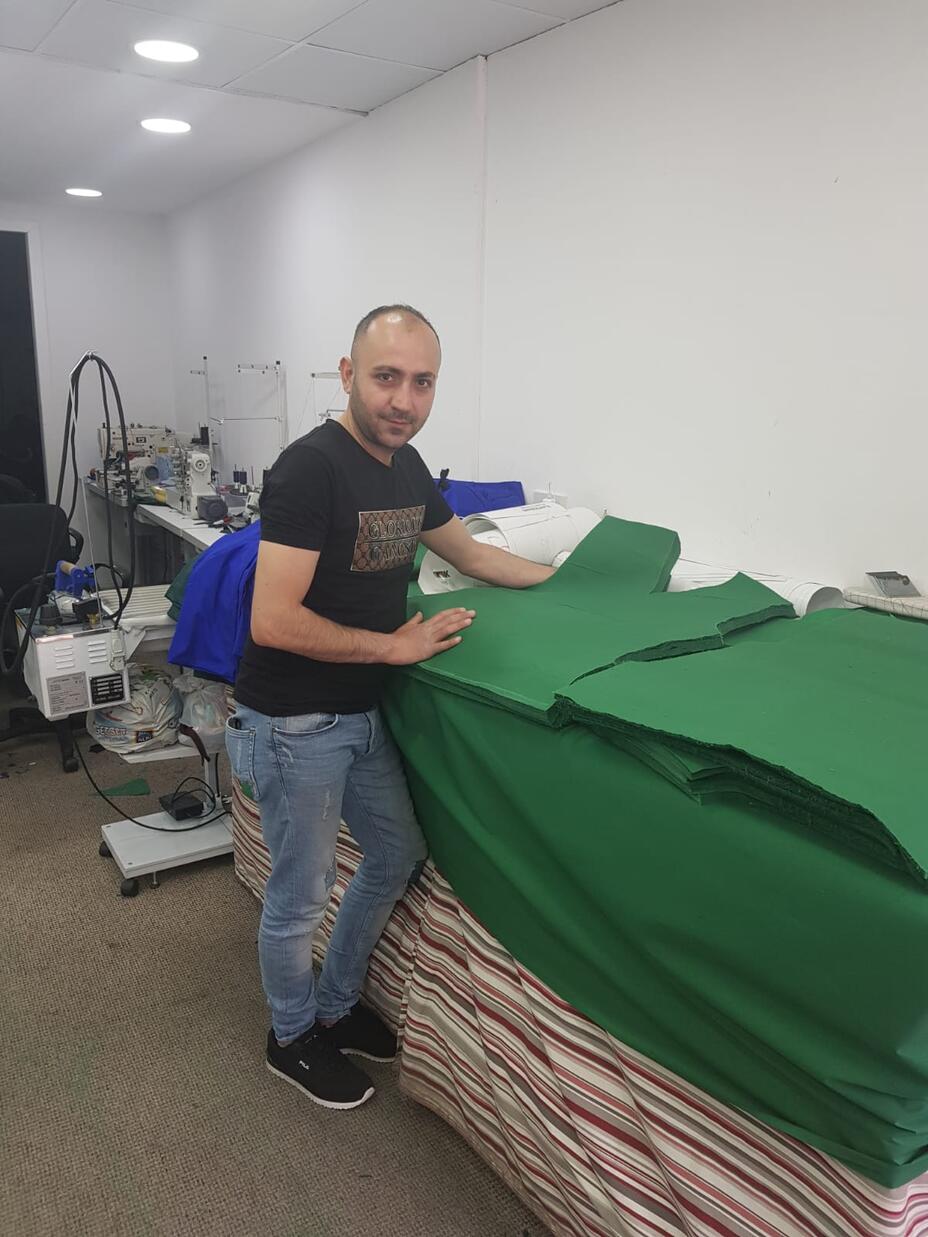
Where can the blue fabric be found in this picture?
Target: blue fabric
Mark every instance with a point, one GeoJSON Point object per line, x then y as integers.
{"type": "Point", "coordinates": [216, 610]}
{"type": "Point", "coordinates": [468, 497]}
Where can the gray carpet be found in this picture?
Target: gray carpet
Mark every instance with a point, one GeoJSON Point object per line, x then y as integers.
{"type": "Point", "coordinates": [133, 1093]}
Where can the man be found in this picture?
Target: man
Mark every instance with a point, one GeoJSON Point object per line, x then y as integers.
{"type": "Point", "coordinates": [342, 512]}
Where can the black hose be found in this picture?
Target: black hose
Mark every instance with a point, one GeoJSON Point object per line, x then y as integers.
{"type": "Point", "coordinates": [103, 367]}
{"type": "Point", "coordinates": [119, 580]}
{"type": "Point", "coordinates": [68, 446]}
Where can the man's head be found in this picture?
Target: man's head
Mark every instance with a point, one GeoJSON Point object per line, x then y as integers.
{"type": "Point", "coordinates": [390, 377]}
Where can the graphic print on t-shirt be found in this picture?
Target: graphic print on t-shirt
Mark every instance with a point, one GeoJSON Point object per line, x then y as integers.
{"type": "Point", "coordinates": [387, 539]}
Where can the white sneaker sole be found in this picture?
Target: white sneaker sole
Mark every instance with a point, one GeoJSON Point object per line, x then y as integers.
{"type": "Point", "coordinates": [315, 1098]}
{"type": "Point", "coordinates": [368, 1056]}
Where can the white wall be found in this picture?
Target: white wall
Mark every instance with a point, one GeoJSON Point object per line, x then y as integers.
{"type": "Point", "coordinates": [283, 264]}
{"type": "Point", "coordinates": [99, 281]}
{"type": "Point", "coordinates": [706, 272]}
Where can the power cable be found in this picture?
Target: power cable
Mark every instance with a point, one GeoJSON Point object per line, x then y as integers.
{"type": "Point", "coordinates": [141, 823]}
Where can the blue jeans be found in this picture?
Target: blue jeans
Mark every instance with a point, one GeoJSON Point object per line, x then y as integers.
{"type": "Point", "coordinates": [305, 773]}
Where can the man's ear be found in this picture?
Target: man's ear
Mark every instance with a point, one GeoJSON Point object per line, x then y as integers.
{"type": "Point", "coordinates": [346, 370]}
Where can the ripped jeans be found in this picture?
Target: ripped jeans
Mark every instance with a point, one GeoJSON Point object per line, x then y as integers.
{"type": "Point", "coordinates": [305, 773]}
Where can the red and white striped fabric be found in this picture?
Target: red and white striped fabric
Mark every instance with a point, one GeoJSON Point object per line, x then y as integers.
{"type": "Point", "coordinates": [596, 1139]}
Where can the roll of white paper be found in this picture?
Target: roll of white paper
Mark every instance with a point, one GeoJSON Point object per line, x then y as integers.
{"type": "Point", "coordinates": [805, 596]}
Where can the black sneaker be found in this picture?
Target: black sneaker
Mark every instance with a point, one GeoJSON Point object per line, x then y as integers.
{"type": "Point", "coordinates": [315, 1065]}
{"type": "Point", "coordinates": [362, 1034]}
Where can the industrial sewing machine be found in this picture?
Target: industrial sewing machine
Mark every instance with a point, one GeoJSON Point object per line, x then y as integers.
{"type": "Point", "coordinates": [164, 464]}
{"type": "Point", "coordinates": [193, 491]}
{"type": "Point", "coordinates": [149, 450]}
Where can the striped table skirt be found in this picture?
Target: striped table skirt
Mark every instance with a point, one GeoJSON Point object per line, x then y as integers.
{"type": "Point", "coordinates": [596, 1139]}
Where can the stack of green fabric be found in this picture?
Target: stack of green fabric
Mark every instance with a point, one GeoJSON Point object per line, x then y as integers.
{"type": "Point", "coordinates": [603, 606]}
{"type": "Point", "coordinates": [823, 720]}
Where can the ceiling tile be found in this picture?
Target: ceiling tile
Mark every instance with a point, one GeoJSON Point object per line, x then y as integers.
{"type": "Point", "coordinates": [102, 33]}
{"type": "Point", "coordinates": [89, 136]}
{"type": "Point", "coordinates": [436, 33]}
{"type": "Point", "coordinates": [283, 19]}
{"type": "Point", "coordinates": [317, 75]}
{"type": "Point", "coordinates": [24, 23]}
{"type": "Point", "coordinates": [567, 9]}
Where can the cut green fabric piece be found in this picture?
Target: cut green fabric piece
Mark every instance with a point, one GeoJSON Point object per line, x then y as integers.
{"type": "Point", "coordinates": [824, 718]}
{"type": "Point", "coordinates": [782, 974]}
{"type": "Point", "coordinates": [138, 786]}
{"type": "Point", "coordinates": [616, 558]}
{"type": "Point", "coordinates": [600, 607]}
{"type": "Point", "coordinates": [524, 646]}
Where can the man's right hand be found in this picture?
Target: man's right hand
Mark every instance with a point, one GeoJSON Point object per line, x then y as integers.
{"type": "Point", "coordinates": [422, 638]}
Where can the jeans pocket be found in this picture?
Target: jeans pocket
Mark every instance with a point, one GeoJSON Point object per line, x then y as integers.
{"type": "Point", "coordinates": [240, 744]}
{"type": "Point", "coordinates": [306, 725]}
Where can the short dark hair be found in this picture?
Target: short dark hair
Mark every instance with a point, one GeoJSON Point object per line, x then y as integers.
{"type": "Point", "coordinates": [370, 318]}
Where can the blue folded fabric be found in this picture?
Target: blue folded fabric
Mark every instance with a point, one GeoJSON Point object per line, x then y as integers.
{"type": "Point", "coordinates": [216, 610]}
{"type": "Point", "coordinates": [469, 497]}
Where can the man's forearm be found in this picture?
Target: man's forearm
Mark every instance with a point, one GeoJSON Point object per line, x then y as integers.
{"type": "Point", "coordinates": [495, 566]}
{"type": "Point", "coordinates": [303, 631]}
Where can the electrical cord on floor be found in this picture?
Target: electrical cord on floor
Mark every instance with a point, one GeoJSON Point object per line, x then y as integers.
{"type": "Point", "coordinates": [141, 823]}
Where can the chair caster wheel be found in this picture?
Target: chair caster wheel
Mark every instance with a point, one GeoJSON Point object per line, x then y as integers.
{"type": "Point", "coordinates": [104, 851]}
{"type": "Point", "coordinates": [129, 887]}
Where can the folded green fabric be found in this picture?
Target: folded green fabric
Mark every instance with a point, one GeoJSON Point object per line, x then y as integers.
{"type": "Point", "coordinates": [176, 589]}
{"type": "Point", "coordinates": [707, 778]}
{"type": "Point", "coordinates": [824, 718]}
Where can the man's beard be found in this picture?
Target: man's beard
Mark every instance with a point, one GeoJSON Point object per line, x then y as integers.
{"type": "Point", "coordinates": [368, 423]}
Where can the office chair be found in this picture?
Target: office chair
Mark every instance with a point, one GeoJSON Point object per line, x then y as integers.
{"type": "Point", "coordinates": [24, 533]}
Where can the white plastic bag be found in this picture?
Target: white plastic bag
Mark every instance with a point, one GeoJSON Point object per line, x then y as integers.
{"type": "Point", "coordinates": [204, 710]}
{"type": "Point", "coordinates": [146, 721]}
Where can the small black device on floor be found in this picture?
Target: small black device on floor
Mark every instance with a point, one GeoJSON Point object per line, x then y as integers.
{"type": "Point", "coordinates": [182, 807]}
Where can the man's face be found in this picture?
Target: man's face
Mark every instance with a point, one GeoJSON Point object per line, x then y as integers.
{"type": "Point", "coordinates": [390, 380]}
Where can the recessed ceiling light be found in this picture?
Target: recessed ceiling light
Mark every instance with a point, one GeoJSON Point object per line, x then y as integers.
{"type": "Point", "coordinates": [84, 193]}
{"type": "Point", "coordinates": [173, 53]}
{"type": "Point", "coordinates": [164, 125]}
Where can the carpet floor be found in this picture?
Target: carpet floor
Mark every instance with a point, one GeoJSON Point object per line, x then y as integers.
{"type": "Point", "coordinates": [133, 1094]}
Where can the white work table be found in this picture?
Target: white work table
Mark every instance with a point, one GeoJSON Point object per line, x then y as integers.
{"type": "Point", "coordinates": [159, 557]}
{"type": "Point", "coordinates": [195, 532]}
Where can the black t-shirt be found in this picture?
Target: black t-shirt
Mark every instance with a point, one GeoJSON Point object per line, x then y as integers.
{"type": "Point", "coordinates": [327, 493]}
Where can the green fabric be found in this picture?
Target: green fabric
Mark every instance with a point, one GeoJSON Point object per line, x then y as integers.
{"type": "Point", "coordinates": [138, 786]}
{"type": "Point", "coordinates": [598, 609]}
{"type": "Point", "coordinates": [616, 558]}
{"type": "Point", "coordinates": [823, 718]}
{"type": "Point", "coordinates": [782, 973]}
{"type": "Point", "coordinates": [176, 589]}
{"type": "Point", "coordinates": [683, 846]}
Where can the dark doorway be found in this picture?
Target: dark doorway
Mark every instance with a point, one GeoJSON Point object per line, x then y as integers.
{"type": "Point", "coordinates": [22, 464]}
